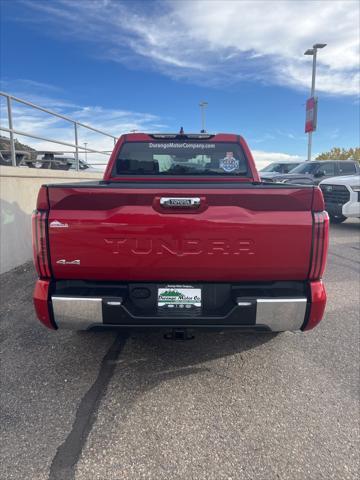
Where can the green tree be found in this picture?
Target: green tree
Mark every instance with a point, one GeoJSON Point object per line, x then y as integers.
{"type": "Point", "coordinates": [337, 153]}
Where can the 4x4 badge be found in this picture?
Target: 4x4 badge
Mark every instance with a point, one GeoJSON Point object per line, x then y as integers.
{"type": "Point", "coordinates": [68, 262]}
{"type": "Point", "coordinates": [57, 224]}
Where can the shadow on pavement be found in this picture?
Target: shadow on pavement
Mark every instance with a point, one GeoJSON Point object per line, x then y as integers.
{"type": "Point", "coordinates": [350, 225]}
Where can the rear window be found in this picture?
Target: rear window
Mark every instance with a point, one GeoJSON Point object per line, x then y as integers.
{"type": "Point", "coordinates": [181, 158]}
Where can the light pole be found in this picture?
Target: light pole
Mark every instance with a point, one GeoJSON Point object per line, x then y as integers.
{"type": "Point", "coordinates": [202, 106]}
{"type": "Point", "coordinates": [313, 51]}
{"type": "Point", "coordinates": [85, 143]}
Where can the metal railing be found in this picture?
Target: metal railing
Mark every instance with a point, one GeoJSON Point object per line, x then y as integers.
{"type": "Point", "coordinates": [77, 147]}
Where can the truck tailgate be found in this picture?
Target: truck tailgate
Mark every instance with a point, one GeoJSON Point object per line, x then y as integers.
{"type": "Point", "coordinates": [238, 233]}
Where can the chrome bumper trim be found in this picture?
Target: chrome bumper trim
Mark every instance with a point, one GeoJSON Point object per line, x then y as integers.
{"type": "Point", "coordinates": [81, 313]}
{"type": "Point", "coordinates": [77, 313]}
{"type": "Point", "coordinates": [281, 314]}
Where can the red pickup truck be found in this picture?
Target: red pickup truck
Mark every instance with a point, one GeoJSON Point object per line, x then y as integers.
{"type": "Point", "coordinates": [180, 233]}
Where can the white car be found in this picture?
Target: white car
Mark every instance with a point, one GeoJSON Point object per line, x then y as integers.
{"type": "Point", "coordinates": [342, 197]}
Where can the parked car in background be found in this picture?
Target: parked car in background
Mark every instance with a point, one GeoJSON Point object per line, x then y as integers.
{"type": "Point", "coordinates": [57, 161]}
{"type": "Point", "coordinates": [277, 168]}
{"type": "Point", "coordinates": [342, 197]}
{"type": "Point", "coordinates": [20, 157]}
{"type": "Point", "coordinates": [312, 173]}
{"type": "Point", "coordinates": [49, 160]}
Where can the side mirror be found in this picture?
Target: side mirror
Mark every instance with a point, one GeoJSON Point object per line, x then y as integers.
{"type": "Point", "coordinates": [319, 173]}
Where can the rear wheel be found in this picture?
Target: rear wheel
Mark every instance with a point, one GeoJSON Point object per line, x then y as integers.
{"type": "Point", "coordinates": [337, 218]}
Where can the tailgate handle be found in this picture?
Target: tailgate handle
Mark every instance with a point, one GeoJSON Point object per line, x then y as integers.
{"type": "Point", "coordinates": [180, 202]}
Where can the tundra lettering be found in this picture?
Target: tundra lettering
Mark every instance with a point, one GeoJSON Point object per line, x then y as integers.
{"type": "Point", "coordinates": [179, 247]}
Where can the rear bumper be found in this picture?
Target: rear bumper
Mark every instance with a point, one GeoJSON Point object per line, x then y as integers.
{"type": "Point", "coordinates": [57, 309]}
{"type": "Point", "coordinates": [267, 314]}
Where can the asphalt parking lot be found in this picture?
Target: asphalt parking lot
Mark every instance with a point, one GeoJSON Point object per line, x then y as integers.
{"type": "Point", "coordinates": [222, 406]}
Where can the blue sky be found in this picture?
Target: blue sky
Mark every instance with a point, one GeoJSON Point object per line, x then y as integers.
{"type": "Point", "coordinates": [146, 65]}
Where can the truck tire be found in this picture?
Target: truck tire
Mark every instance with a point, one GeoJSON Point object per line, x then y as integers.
{"type": "Point", "coordinates": [337, 218]}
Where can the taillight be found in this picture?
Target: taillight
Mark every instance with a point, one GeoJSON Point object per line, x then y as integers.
{"type": "Point", "coordinates": [42, 304]}
{"type": "Point", "coordinates": [317, 304]}
{"type": "Point", "coordinates": [42, 202]}
{"type": "Point", "coordinates": [40, 244]}
{"type": "Point", "coordinates": [318, 200]}
{"type": "Point", "coordinates": [320, 245]}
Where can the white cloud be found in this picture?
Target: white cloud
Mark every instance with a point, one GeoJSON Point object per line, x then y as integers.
{"type": "Point", "coordinates": [112, 121]}
{"type": "Point", "coordinates": [223, 42]}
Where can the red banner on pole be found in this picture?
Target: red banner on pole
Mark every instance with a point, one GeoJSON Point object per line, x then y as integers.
{"type": "Point", "coordinates": [311, 114]}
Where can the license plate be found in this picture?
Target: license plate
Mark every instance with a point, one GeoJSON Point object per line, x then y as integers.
{"type": "Point", "coordinates": [179, 296]}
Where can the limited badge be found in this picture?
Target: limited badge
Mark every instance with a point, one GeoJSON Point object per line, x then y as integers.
{"type": "Point", "coordinates": [229, 163]}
